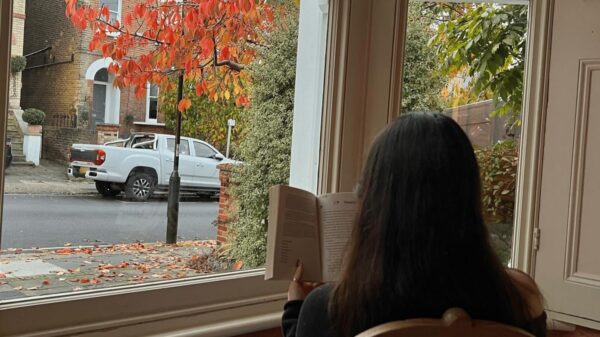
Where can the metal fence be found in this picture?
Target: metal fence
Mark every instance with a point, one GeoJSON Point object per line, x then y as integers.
{"type": "Point", "coordinates": [62, 121]}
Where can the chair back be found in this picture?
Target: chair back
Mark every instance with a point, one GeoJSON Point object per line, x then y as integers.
{"type": "Point", "coordinates": [455, 323]}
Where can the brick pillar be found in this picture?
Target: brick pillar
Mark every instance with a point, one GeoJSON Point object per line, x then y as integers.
{"type": "Point", "coordinates": [107, 132]}
{"type": "Point", "coordinates": [224, 202]}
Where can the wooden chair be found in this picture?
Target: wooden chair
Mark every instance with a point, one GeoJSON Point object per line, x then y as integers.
{"type": "Point", "coordinates": [455, 323]}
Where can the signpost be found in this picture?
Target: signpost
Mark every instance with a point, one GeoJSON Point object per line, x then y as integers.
{"type": "Point", "coordinates": [230, 125]}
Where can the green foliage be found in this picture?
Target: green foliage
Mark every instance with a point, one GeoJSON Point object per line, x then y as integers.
{"type": "Point", "coordinates": [206, 119]}
{"type": "Point", "coordinates": [266, 146]}
{"type": "Point", "coordinates": [498, 169]}
{"type": "Point", "coordinates": [488, 42]}
{"type": "Point", "coordinates": [34, 116]}
{"type": "Point", "coordinates": [129, 119]}
{"type": "Point", "coordinates": [17, 64]}
{"type": "Point", "coordinates": [422, 84]}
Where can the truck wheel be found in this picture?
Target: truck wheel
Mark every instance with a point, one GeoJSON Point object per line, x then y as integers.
{"type": "Point", "coordinates": [105, 190]}
{"type": "Point", "coordinates": [139, 187]}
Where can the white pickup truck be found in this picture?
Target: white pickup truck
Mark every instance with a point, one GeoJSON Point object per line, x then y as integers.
{"type": "Point", "coordinates": [143, 163]}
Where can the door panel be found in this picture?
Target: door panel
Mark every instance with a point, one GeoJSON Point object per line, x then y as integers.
{"type": "Point", "coordinates": [206, 172]}
{"type": "Point", "coordinates": [186, 163]}
{"type": "Point", "coordinates": [568, 260]}
{"type": "Point", "coordinates": [98, 104]}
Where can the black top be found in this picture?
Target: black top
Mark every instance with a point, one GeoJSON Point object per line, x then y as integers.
{"type": "Point", "coordinates": [309, 318]}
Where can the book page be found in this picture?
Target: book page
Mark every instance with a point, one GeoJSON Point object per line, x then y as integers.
{"type": "Point", "coordinates": [293, 234]}
{"type": "Point", "coordinates": [337, 213]}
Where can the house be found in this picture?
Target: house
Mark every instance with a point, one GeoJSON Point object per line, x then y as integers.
{"type": "Point", "coordinates": [72, 85]}
{"type": "Point", "coordinates": [14, 130]}
{"type": "Point", "coordinates": [352, 50]}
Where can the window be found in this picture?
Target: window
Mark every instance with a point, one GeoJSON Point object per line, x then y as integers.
{"type": "Point", "coordinates": [241, 301]}
{"type": "Point", "coordinates": [201, 150]}
{"type": "Point", "coordinates": [114, 9]}
{"type": "Point", "coordinates": [184, 146]}
{"type": "Point", "coordinates": [440, 74]}
{"type": "Point", "coordinates": [152, 103]}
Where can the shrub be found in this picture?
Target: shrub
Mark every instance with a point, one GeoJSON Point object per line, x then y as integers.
{"type": "Point", "coordinates": [498, 169]}
{"type": "Point", "coordinates": [34, 116]}
{"type": "Point", "coordinates": [266, 147]}
{"type": "Point", "coordinates": [17, 64]}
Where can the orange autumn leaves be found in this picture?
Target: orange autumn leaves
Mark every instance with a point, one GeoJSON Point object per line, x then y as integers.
{"type": "Point", "coordinates": [210, 41]}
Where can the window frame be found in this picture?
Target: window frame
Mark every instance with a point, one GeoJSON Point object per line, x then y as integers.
{"type": "Point", "coordinates": [239, 302]}
{"type": "Point", "coordinates": [149, 98]}
{"type": "Point", "coordinates": [118, 11]}
{"type": "Point", "coordinates": [194, 142]}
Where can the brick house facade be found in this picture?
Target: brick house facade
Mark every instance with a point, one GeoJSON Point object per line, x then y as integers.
{"type": "Point", "coordinates": [71, 84]}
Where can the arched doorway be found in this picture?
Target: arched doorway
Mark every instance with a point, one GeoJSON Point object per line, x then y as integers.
{"type": "Point", "coordinates": [105, 97]}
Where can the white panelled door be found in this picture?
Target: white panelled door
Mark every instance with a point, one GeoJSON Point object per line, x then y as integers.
{"type": "Point", "coordinates": [568, 260]}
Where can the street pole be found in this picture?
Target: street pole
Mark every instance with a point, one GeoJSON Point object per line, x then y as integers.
{"type": "Point", "coordinates": [175, 179]}
{"type": "Point", "coordinates": [230, 124]}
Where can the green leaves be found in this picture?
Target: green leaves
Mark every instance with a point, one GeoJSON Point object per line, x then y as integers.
{"type": "Point", "coordinates": [498, 170]}
{"type": "Point", "coordinates": [487, 41]}
{"type": "Point", "coordinates": [205, 119]}
{"type": "Point", "coordinates": [266, 146]}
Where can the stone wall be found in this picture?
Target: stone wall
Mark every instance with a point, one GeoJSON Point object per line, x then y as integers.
{"type": "Point", "coordinates": [56, 142]}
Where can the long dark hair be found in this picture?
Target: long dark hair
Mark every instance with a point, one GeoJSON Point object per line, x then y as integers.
{"type": "Point", "coordinates": [420, 245]}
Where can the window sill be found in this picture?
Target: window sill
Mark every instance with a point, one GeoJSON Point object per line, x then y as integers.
{"type": "Point", "coordinates": [220, 305]}
{"type": "Point", "coordinates": [149, 123]}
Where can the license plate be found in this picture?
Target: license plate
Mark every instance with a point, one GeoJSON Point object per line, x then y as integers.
{"type": "Point", "coordinates": [83, 170]}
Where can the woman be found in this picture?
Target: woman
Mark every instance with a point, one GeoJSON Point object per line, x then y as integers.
{"type": "Point", "coordinates": [419, 245]}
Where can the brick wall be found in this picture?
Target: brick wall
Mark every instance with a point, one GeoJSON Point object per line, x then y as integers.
{"type": "Point", "coordinates": [224, 202]}
{"type": "Point", "coordinates": [62, 89]}
{"type": "Point", "coordinates": [56, 142]}
{"type": "Point", "coordinates": [54, 89]}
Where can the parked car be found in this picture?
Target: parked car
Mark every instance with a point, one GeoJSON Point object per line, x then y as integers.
{"type": "Point", "coordinates": [143, 163]}
{"type": "Point", "coordinates": [8, 150]}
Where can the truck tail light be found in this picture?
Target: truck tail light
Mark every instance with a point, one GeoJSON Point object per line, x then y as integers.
{"type": "Point", "coordinates": [100, 157]}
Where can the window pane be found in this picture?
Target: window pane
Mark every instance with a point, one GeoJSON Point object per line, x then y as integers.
{"type": "Point", "coordinates": [153, 108]}
{"type": "Point", "coordinates": [184, 147]}
{"type": "Point", "coordinates": [101, 75]}
{"type": "Point", "coordinates": [83, 232]}
{"type": "Point", "coordinates": [153, 90]}
{"type": "Point", "coordinates": [446, 67]}
{"type": "Point", "coordinates": [113, 5]}
{"type": "Point", "coordinates": [203, 150]}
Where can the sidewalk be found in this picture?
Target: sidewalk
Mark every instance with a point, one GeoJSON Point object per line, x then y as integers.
{"type": "Point", "coordinates": [48, 178]}
{"type": "Point", "coordinates": [68, 269]}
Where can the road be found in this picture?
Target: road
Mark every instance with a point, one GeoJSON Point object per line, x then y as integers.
{"type": "Point", "coordinates": [51, 221]}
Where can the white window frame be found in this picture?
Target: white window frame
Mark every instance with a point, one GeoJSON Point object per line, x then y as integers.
{"type": "Point", "coordinates": [363, 73]}
{"type": "Point", "coordinates": [118, 12]}
{"type": "Point", "coordinates": [148, 98]}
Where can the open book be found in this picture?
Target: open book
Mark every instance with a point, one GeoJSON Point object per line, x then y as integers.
{"type": "Point", "coordinates": [309, 228]}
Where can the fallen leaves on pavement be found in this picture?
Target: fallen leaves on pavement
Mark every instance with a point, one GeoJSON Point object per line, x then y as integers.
{"type": "Point", "coordinates": [119, 264]}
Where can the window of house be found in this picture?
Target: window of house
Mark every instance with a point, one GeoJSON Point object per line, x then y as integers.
{"type": "Point", "coordinates": [152, 103]}
{"type": "Point", "coordinates": [114, 9]}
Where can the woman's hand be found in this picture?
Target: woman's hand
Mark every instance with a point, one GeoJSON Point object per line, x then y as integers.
{"type": "Point", "coordinates": [298, 289]}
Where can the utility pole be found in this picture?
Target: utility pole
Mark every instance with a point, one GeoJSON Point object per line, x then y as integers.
{"type": "Point", "coordinates": [175, 179]}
